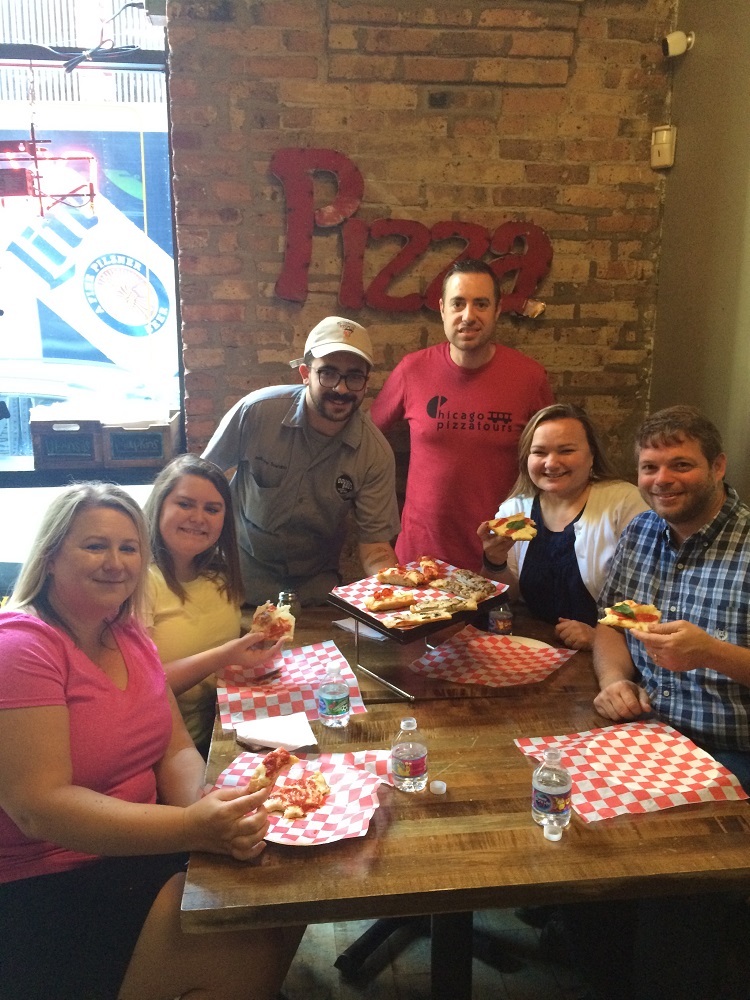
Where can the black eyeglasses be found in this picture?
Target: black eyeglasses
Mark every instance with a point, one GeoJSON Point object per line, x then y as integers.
{"type": "Point", "coordinates": [329, 378]}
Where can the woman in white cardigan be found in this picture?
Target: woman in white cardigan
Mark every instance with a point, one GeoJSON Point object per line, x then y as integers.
{"type": "Point", "coordinates": [566, 486]}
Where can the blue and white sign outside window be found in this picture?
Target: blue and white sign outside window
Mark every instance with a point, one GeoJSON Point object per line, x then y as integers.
{"type": "Point", "coordinates": [87, 278]}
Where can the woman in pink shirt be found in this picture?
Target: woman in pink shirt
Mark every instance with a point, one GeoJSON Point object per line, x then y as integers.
{"type": "Point", "coordinates": [101, 785]}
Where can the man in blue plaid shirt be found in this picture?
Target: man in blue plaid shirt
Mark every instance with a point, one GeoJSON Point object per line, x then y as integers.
{"type": "Point", "coordinates": [690, 557]}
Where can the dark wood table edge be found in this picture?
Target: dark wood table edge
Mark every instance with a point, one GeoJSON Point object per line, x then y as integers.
{"type": "Point", "coordinates": [443, 902]}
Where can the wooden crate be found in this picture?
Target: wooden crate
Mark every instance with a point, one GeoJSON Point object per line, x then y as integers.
{"type": "Point", "coordinates": [67, 444]}
{"type": "Point", "coordinates": [141, 444]}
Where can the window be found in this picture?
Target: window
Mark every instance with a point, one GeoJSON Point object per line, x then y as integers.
{"type": "Point", "coordinates": [87, 278]}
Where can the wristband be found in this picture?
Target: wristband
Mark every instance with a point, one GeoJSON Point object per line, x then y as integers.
{"type": "Point", "coordinates": [497, 567]}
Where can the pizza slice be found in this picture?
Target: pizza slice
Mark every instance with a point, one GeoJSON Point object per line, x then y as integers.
{"type": "Point", "coordinates": [429, 569]}
{"type": "Point", "coordinates": [411, 619]}
{"type": "Point", "coordinates": [465, 583]}
{"type": "Point", "coordinates": [299, 796]}
{"type": "Point", "coordinates": [401, 576]}
{"type": "Point", "coordinates": [388, 599]}
{"type": "Point", "coordinates": [270, 767]}
{"type": "Point", "coordinates": [517, 526]}
{"type": "Point", "coordinates": [630, 614]}
{"type": "Point", "coordinates": [451, 604]}
{"type": "Point", "coordinates": [273, 623]}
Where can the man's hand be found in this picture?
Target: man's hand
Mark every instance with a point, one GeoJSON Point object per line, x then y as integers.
{"type": "Point", "coordinates": [677, 646]}
{"type": "Point", "coordinates": [622, 700]}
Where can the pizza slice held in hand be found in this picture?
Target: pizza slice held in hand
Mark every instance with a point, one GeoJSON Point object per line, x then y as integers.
{"type": "Point", "coordinates": [631, 614]}
{"type": "Point", "coordinates": [270, 767]}
{"type": "Point", "coordinates": [517, 526]}
{"type": "Point", "coordinates": [273, 623]}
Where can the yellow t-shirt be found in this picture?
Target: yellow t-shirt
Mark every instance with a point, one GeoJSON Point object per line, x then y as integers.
{"type": "Point", "coordinates": [206, 619]}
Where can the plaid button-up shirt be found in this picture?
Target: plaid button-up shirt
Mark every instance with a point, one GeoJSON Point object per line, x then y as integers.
{"type": "Point", "coordinates": [705, 581]}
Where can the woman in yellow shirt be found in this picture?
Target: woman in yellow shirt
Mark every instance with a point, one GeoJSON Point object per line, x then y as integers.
{"type": "Point", "coordinates": [195, 590]}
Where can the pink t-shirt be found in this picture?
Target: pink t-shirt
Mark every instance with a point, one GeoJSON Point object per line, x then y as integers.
{"type": "Point", "coordinates": [116, 737]}
{"type": "Point", "coordinates": [464, 426]}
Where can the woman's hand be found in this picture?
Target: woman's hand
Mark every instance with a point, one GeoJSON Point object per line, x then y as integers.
{"type": "Point", "coordinates": [496, 547]}
{"type": "Point", "coordinates": [242, 652]}
{"type": "Point", "coordinates": [228, 821]}
{"type": "Point", "coordinates": [575, 635]}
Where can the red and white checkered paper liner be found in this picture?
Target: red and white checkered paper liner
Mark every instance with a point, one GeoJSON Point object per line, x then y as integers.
{"type": "Point", "coordinates": [346, 812]}
{"type": "Point", "coordinates": [475, 657]}
{"type": "Point", "coordinates": [636, 767]}
{"type": "Point", "coordinates": [355, 593]}
{"type": "Point", "coordinates": [302, 671]}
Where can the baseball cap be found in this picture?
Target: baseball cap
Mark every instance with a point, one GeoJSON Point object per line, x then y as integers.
{"type": "Point", "coordinates": [334, 333]}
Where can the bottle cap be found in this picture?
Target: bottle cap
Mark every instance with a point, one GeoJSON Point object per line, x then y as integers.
{"type": "Point", "coordinates": [408, 723]}
{"type": "Point", "coordinates": [552, 832]}
{"type": "Point", "coordinates": [437, 787]}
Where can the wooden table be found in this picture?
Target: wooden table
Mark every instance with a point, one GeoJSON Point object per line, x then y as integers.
{"type": "Point", "coordinates": [476, 846]}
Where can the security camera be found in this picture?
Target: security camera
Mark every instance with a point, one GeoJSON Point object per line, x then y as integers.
{"type": "Point", "coordinates": [676, 43]}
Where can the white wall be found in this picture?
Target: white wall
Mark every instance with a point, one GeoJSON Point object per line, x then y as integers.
{"type": "Point", "coordinates": [702, 345]}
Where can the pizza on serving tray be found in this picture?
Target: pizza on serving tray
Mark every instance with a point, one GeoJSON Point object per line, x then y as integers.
{"type": "Point", "coordinates": [389, 599]}
{"type": "Point", "coordinates": [464, 583]}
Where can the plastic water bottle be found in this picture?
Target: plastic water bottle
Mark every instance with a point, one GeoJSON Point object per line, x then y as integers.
{"type": "Point", "coordinates": [550, 795]}
{"type": "Point", "coordinates": [290, 599]}
{"type": "Point", "coordinates": [333, 699]}
{"type": "Point", "coordinates": [409, 758]}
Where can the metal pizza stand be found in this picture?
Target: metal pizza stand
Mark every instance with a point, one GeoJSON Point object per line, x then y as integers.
{"type": "Point", "coordinates": [406, 636]}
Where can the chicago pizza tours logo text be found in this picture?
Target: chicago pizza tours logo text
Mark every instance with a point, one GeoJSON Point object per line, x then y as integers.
{"type": "Point", "coordinates": [485, 421]}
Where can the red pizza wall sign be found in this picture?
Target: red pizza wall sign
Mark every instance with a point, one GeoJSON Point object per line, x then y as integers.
{"type": "Point", "coordinates": [518, 247]}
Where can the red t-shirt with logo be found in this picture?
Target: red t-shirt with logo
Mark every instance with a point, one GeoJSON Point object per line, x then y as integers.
{"type": "Point", "coordinates": [464, 426]}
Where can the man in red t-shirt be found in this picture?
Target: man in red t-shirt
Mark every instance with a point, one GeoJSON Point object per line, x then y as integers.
{"type": "Point", "coordinates": [466, 402]}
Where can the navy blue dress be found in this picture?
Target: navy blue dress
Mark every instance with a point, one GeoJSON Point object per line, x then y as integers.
{"type": "Point", "coordinates": [550, 581]}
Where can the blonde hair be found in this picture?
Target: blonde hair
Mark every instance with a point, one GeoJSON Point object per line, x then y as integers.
{"type": "Point", "coordinates": [600, 467]}
{"type": "Point", "coordinates": [32, 583]}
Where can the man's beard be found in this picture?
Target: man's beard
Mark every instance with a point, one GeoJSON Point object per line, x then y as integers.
{"type": "Point", "coordinates": [334, 397]}
{"type": "Point", "coordinates": [697, 502]}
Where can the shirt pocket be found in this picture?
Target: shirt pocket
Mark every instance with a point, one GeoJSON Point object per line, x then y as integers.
{"type": "Point", "coordinates": [260, 495]}
{"type": "Point", "coordinates": [728, 621]}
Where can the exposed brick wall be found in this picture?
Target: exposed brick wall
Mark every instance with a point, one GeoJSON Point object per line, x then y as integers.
{"type": "Point", "coordinates": [468, 110]}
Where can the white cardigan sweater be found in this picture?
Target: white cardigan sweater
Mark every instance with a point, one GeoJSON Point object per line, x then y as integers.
{"type": "Point", "coordinates": [611, 506]}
